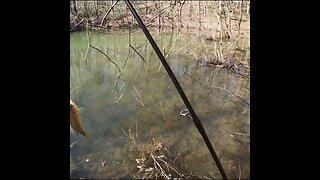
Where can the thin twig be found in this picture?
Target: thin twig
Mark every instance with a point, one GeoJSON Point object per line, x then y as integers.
{"type": "Point", "coordinates": [104, 17]}
{"type": "Point", "coordinates": [164, 117]}
{"type": "Point", "coordinates": [239, 164]}
{"type": "Point", "coordinates": [118, 98]}
{"type": "Point", "coordinates": [170, 166]}
{"type": "Point", "coordinates": [71, 145]}
{"type": "Point", "coordinates": [140, 99]}
{"type": "Point", "coordinates": [193, 52]}
{"type": "Point", "coordinates": [161, 170]}
{"type": "Point", "coordinates": [107, 58]}
{"type": "Point", "coordinates": [173, 44]}
{"type": "Point", "coordinates": [237, 96]}
{"type": "Point", "coordinates": [240, 19]}
{"type": "Point", "coordinates": [221, 88]}
{"type": "Point", "coordinates": [241, 134]}
{"type": "Point", "coordinates": [138, 53]}
{"type": "Point", "coordinates": [144, 61]}
{"type": "Point", "coordinates": [159, 119]}
{"type": "Point", "coordinates": [73, 89]}
{"type": "Point", "coordinates": [77, 24]}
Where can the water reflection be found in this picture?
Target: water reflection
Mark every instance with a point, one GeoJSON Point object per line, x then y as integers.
{"type": "Point", "coordinates": [143, 102]}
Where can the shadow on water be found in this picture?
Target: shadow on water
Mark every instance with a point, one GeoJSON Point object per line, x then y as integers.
{"type": "Point", "coordinates": [141, 109]}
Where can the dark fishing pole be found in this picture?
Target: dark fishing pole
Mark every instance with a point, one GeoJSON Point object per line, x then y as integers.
{"type": "Point", "coordinates": [195, 119]}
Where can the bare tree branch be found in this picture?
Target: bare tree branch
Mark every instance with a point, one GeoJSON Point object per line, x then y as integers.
{"type": "Point", "coordinates": [104, 17]}
{"type": "Point", "coordinates": [107, 57]}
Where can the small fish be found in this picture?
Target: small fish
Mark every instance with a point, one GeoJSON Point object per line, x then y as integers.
{"type": "Point", "coordinates": [75, 119]}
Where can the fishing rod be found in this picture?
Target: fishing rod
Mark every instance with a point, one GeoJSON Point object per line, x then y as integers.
{"type": "Point", "coordinates": [195, 119]}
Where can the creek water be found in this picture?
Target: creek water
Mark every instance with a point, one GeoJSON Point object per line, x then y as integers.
{"type": "Point", "coordinates": [135, 104]}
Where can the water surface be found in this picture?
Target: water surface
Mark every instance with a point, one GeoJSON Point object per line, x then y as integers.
{"type": "Point", "coordinates": [135, 110]}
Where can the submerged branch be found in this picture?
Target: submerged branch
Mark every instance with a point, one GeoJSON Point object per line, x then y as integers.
{"type": "Point", "coordinates": [107, 58]}
{"type": "Point", "coordinates": [221, 88]}
{"type": "Point", "coordinates": [118, 98]}
{"type": "Point", "coordinates": [164, 117]}
{"type": "Point", "coordinates": [118, 76]}
{"type": "Point", "coordinates": [144, 61]}
{"type": "Point", "coordinates": [234, 95]}
{"type": "Point", "coordinates": [173, 44]}
{"type": "Point", "coordinates": [140, 99]}
{"type": "Point", "coordinates": [138, 53]}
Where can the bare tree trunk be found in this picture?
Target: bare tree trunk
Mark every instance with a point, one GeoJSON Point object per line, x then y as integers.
{"type": "Point", "coordinates": [105, 16]}
{"type": "Point", "coordinates": [205, 14]}
{"type": "Point", "coordinates": [146, 7]}
{"type": "Point", "coordinates": [190, 14]}
{"type": "Point", "coordinates": [240, 19]}
{"type": "Point", "coordinates": [172, 15]}
{"type": "Point", "coordinates": [220, 6]}
{"type": "Point", "coordinates": [199, 14]}
{"type": "Point", "coordinates": [220, 12]}
{"type": "Point", "coordinates": [127, 19]}
{"type": "Point", "coordinates": [86, 11]}
{"type": "Point", "coordinates": [112, 10]}
{"type": "Point", "coordinates": [229, 19]}
{"type": "Point", "coordinates": [74, 6]}
{"type": "Point", "coordinates": [95, 5]}
{"type": "Point", "coordinates": [159, 15]}
{"type": "Point", "coordinates": [181, 5]}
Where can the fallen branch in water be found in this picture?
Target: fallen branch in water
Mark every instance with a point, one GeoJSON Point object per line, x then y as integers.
{"type": "Point", "coordinates": [107, 58]}
{"type": "Point", "coordinates": [140, 99]}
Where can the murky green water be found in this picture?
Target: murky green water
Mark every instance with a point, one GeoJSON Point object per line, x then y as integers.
{"type": "Point", "coordinates": [129, 114]}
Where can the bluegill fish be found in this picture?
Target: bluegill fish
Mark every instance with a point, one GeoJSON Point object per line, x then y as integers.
{"type": "Point", "coordinates": [75, 119]}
